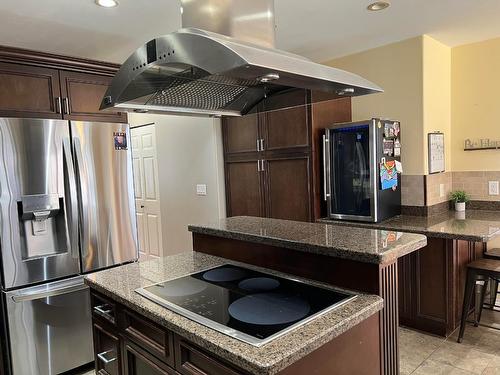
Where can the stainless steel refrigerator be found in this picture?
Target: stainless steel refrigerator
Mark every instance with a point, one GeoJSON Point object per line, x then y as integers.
{"type": "Point", "coordinates": [66, 209]}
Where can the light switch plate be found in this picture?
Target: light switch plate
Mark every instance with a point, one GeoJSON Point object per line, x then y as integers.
{"type": "Point", "coordinates": [201, 189]}
{"type": "Point", "coordinates": [493, 188]}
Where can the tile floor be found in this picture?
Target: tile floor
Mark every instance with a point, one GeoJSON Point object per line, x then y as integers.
{"type": "Point", "coordinates": [479, 352]}
{"type": "Point", "coordinates": [423, 354]}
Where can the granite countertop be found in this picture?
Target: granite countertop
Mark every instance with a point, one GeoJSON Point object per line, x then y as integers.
{"type": "Point", "coordinates": [120, 284]}
{"type": "Point", "coordinates": [473, 225]}
{"type": "Point", "coordinates": [360, 244]}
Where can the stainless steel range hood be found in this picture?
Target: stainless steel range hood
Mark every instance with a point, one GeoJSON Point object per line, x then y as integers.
{"type": "Point", "coordinates": [193, 71]}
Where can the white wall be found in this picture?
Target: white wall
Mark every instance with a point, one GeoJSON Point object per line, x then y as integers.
{"type": "Point", "coordinates": [189, 152]}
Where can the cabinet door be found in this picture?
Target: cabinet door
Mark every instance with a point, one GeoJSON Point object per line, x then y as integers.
{"type": "Point", "coordinates": [190, 360]}
{"type": "Point", "coordinates": [28, 91]}
{"type": "Point", "coordinates": [107, 351]}
{"type": "Point", "coordinates": [140, 362]}
{"type": "Point", "coordinates": [243, 188]}
{"type": "Point", "coordinates": [286, 129]}
{"type": "Point", "coordinates": [240, 134]}
{"type": "Point", "coordinates": [82, 94]}
{"type": "Point", "coordinates": [287, 187]}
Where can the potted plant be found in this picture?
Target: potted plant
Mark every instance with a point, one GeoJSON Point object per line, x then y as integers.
{"type": "Point", "coordinates": [460, 197]}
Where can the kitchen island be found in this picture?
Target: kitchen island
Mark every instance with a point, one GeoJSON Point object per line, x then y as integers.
{"type": "Point", "coordinates": [133, 335]}
{"type": "Point", "coordinates": [355, 258]}
{"type": "Point", "coordinates": [432, 280]}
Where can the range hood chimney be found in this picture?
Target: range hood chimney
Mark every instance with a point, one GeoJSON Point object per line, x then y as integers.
{"type": "Point", "coordinates": [222, 63]}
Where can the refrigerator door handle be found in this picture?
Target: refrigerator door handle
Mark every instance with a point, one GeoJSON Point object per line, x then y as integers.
{"type": "Point", "coordinates": [83, 198]}
{"type": "Point", "coordinates": [70, 197]}
{"type": "Point", "coordinates": [35, 293]}
{"type": "Point", "coordinates": [326, 168]}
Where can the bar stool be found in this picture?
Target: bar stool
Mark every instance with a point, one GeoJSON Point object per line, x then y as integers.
{"type": "Point", "coordinates": [485, 268]}
{"type": "Point", "coordinates": [493, 254]}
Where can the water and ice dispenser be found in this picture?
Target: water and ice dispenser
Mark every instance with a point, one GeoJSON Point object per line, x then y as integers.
{"type": "Point", "coordinates": [43, 228]}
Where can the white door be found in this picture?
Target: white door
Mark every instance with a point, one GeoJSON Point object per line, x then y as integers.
{"type": "Point", "coordinates": [147, 196]}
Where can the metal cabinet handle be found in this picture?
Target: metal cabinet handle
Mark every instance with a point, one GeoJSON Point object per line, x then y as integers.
{"type": "Point", "coordinates": [66, 106]}
{"type": "Point", "coordinates": [104, 309]}
{"type": "Point", "coordinates": [258, 165]}
{"type": "Point", "coordinates": [262, 144]}
{"type": "Point", "coordinates": [258, 144]}
{"type": "Point", "coordinates": [326, 161]}
{"type": "Point", "coordinates": [104, 356]}
{"type": "Point", "coordinates": [58, 105]}
{"type": "Point", "coordinates": [262, 167]}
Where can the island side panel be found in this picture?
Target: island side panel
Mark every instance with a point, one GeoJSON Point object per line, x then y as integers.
{"type": "Point", "coordinates": [365, 277]}
{"type": "Point", "coordinates": [432, 283]}
{"type": "Point", "coordinates": [341, 356]}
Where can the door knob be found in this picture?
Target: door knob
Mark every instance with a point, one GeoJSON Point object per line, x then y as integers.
{"type": "Point", "coordinates": [142, 206]}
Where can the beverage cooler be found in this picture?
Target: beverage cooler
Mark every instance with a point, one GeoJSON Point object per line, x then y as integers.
{"type": "Point", "coordinates": [362, 170]}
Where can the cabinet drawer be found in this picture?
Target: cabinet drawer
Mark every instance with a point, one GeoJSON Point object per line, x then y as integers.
{"type": "Point", "coordinates": [140, 362]}
{"type": "Point", "coordinates": [149, 336]}
{"type": "Point", "coordinates": [103, 309]}
{"type": "Point", "coordinates": [107, 351]}
{"type": "Point", "coordinates": [190, 360]}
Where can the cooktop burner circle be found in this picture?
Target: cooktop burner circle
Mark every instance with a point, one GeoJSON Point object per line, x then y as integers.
{"type": "Point", "coordinates": [224, 274]}
{"type": "Point", "coordinates": [269, 309]}
{"type": "Point", "coordinates": [259, 284]}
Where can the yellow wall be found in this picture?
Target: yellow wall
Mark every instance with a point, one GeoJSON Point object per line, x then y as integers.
{"type": "Point", "coordinates": [398, 69]}
{"type": "Point", "coordinates": [475, 111]}
{"type": "Point", "coordinates": [437, 95]}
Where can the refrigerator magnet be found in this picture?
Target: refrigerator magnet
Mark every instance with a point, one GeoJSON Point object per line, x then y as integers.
{"type": "Point", "coordinates": [120, 140]}
{"type": "Point", "coordinates": [388, 147]}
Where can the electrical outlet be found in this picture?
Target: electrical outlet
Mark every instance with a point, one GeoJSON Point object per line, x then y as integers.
{"type": "Point", "coordinates": [201, 189]}
{"type": "Point", "coordinates": [493, 188]}
{"type": "Point", "coordinates": [441, 190]}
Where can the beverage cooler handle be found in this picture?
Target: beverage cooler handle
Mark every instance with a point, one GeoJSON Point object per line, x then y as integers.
{"type": "Point", "coordinates": [326, 169]}
{"type": "Point", "coordinates": [70, 198]}
{"type": "Point", "coordinates": [83, 195]}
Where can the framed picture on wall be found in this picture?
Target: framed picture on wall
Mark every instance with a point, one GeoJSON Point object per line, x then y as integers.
{"type": "Point", "coordinates": [436, 152]}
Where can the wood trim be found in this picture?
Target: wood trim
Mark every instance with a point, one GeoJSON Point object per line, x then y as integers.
{"type": "Point", "coordinates": [389, 319]}
{"type": "Point", "coordinates": [55, 61]}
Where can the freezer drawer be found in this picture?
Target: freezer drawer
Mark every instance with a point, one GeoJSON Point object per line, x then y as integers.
{"type": "Point", "coordinates": [50, 327]}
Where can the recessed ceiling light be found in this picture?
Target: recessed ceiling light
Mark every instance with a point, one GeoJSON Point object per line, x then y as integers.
{"type": "Point", "coordinates": [107, 3]}
{"type": "Point", "coordinates": [378, 5]}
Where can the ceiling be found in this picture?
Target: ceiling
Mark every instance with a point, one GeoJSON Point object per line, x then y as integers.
{"type": "Point", "coordinates": [323, 30]}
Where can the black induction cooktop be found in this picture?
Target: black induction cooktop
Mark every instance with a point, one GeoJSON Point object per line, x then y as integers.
{"type": "Point", "coordinates": [251, 306]}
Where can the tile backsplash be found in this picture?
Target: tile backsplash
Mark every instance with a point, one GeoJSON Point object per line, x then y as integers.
{"type": "Point", "coordinates": [476, 184]}
{"type": "Point", "coordinates": [434, 189]}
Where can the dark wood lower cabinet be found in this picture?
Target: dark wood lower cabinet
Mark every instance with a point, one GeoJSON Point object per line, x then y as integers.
{"type": "Point", "coordinates": [287, 191]}
{"type": "Point", "coordinates": [107, 350]}
{"type": "Point", "coordinates": [244, 191]}
{"type": "Point", "coordinates": [139, 362]}
{"type": "Point", "coordinates": [128, 343]}
{"type": "Point", "coordinates": [432, 283]}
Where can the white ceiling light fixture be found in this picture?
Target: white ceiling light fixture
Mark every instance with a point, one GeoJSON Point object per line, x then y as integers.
{"type": "Point", "coordinates": [107, 3]}
{"type": "Point", "coordinates": [378, 5]}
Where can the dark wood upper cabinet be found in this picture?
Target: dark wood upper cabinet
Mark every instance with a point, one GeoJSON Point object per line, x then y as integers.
{"type": "Point", "coordinates": [40, 85]}
{"type": "Point", "coordinates": [29, 91]}
{"type": "Point", "coordinates": [286, 129]}
{"type": "Point", "coordinates": [241, 134]}
{"type": "Point", "coordinates": [288, 188]}
{"type": "Point", "coordinates": [82, 94]}
{"type": "Point", "coordinates": [244, 195]}
{"type": "Point", "coordinates": [279, 152]}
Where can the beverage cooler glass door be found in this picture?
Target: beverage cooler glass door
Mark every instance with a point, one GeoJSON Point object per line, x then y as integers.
{"type": "Point", "coordinates": [38, 202]}
{"type": "Point", "coordinates": [350, 149]}
{"type": "Point", "coordinates": [103, 164]}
